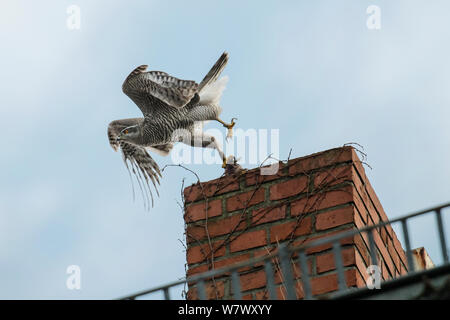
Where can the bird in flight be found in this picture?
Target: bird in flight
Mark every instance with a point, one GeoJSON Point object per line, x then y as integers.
{"type": "Point", "coordinates": [172, 110]}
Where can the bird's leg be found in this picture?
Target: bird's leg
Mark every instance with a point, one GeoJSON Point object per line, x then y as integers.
{"type": "Point", "coordinates": [206, 141]}
{"type": "Point", "coordinates": [229, 126]}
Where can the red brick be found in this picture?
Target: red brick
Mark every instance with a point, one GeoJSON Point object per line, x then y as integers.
{"type": "Point", "coordinates": [362, 269]}
{"type": "Point", "coordinates": [226, 225]}
{"type": "Point", "coordinates": [254, 177]}
{"type": "Point", "coordinates": [322, 200]}
{"type": "Point", "coordinates": [333, 176]}
{"type": "Point", "coordinates": [362, 210]}
{"type": "Point", "coordinates": [328, 283]}
{"type": "Point", "coordinates": [400, 251]}
{"type": "Point", "coordinates": [197, 212]}
{"type": "Point", "coordinates": [213, 290]}
{"type": "Point", "coordinates": [230, 261]}
{"type": "Point", "coordinates": [384, 253]}
{"type": "Point", "coordinates": [319, 160]}
{"type": "Point", "coordinates": [268, 249]}
{"type": "Point", "coordinates": [369, 198]}
{"type": "Point", "coordinates": [354, 279]}
{"type": "Point", "coordinates": [248, 240]}
{"type": "Point", "coordinates": [390, 231]}
{"type": "Point", "coordinates": [269, 214]}
{"type": "Point", "coordinates": [200, 253]}
{"type": "Point", "coordinates": [195, 270]}
{"type": "Point", "coordinates": [323, 247]}
{"type": "Point", "coordinates": [210, 188]}
{"type": "Point", "coordinates": [281, 232]}
{"type": "Point", "coordinates": [384, 235]}
{"type": "Point", "coordinates": [289, 188]}
{"type": "Point", "coordinates": [362, 196]}
{"type": "Point", "coordinates": [362, 246]}
{"type": "Point", "coordinates": [216, 228]}
{"type": "Point", "coordinates": [384, 271]}
{"type": "Point", "coordinates": [359, 168]}
{"type": "Point", "coordinates": [245, 200]}
{"type": "Point", "coordinates": [394, 255]}
{"type": "Point", "coordinates": [195, 233]}
{"type": "Point", "coordinates": [334, 218]}
{"type": "Point", "coordinates": [282, 294]}
{"type": "Point", "coordinates": [359, 223]}
{"type": "Point", "coordinates": [325, 262]}
{"type": "Point", "coordinates": [372, 194]}
{"type": "Point", "coordinates": [253, 280]}
{"type": "Point", "coordinates": [324, 284]}
{"type": "Point", "coordinates": [262, 295]}
{"type": "Point", "coordinates": [403, 270]}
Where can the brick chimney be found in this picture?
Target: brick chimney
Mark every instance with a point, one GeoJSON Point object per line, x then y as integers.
{"type": "Point", "coordinates": [232, 219]}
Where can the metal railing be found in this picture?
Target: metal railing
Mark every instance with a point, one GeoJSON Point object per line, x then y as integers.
{"type": "Point", "coordinates": [284, 254]}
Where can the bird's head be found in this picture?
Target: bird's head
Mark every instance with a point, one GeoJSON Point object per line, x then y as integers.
{"type": "Point", "coordinates": [131, 134]}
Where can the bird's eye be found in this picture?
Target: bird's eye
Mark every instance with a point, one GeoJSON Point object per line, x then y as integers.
{"type": "Point", "coordinates": [125, 131]}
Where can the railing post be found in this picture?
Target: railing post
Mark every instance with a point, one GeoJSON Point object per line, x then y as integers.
{"type": "Point", "coordinates": [201, 289]}
{"type": "Point", "coordinates": [372, 247]}
{"type": "Point", "coordinates": [270, 280]}
{"type": "Point", "coordinates": [285, 261]}
{"type": "Point", "coordinates": [409, 256]}
{"type": "Point", "coordinates": [305, 275]}
{"type": "Point", "coordinates": [166, 293]}
{"type": "Point", "coordinates": [339, 265]}
{"type": "Point", "coordinates": [441, 235]}
{"type": "Point", "coordinates": [237, 294]}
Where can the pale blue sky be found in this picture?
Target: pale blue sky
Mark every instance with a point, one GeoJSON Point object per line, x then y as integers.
{"type": "Point", "coordinates": [311, 69]}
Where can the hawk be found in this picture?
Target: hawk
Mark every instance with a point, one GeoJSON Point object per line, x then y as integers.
{"type": "Point", "coordinates": [172, 108]}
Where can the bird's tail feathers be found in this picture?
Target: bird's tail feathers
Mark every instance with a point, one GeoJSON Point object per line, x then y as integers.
{"type": "Point", "coordinates": [214, 73]}
{"type": "Point", "coordinates": [211, 94]}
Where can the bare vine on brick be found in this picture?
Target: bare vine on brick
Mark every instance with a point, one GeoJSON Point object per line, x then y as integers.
{"type": "Point", "coordinates": [206, 215]}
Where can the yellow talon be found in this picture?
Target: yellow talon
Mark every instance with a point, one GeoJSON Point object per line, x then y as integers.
{"type": "Point", "coordinates": [229, 126]}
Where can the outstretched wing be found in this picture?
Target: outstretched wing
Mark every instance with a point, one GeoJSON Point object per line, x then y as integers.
{"type": "Point", "coordinates": [162, 149]}
{"type": "Point", "coordinates": [142, 164]}
{"type": "Point", "coordinates": [156, 89]}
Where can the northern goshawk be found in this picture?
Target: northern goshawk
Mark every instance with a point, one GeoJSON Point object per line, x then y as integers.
{"type": "Point", "coordinates": [172, 108]}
